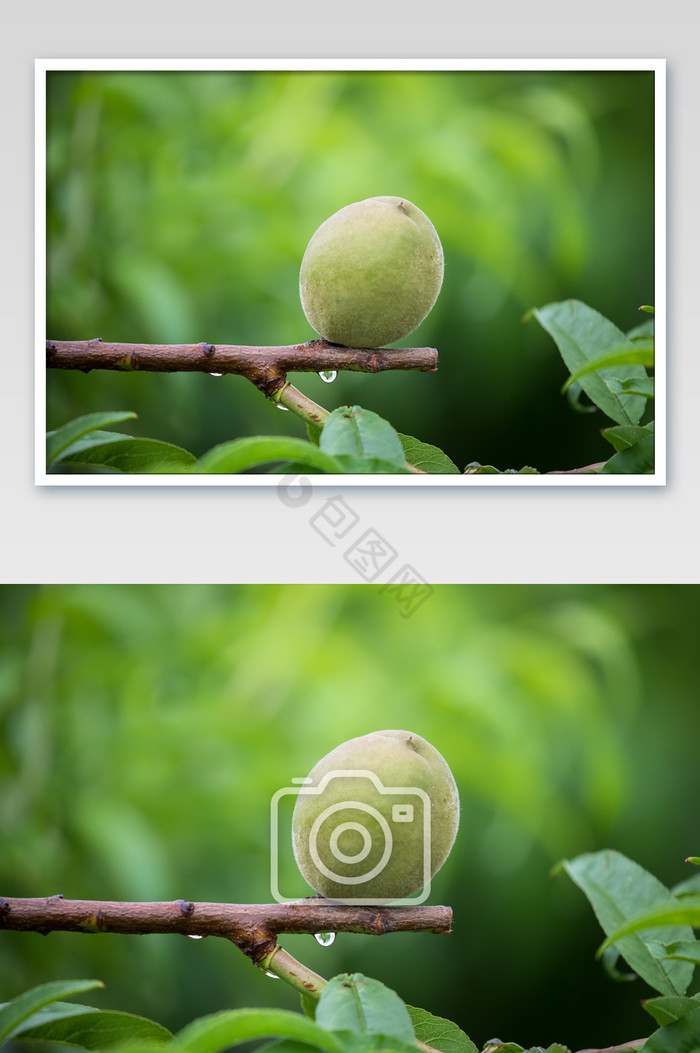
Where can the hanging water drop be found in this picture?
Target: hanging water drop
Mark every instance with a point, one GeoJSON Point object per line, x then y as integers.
{"type": "Point", "coordinates": [328, 375]}
{"type": "Point", "coordinates": [216, 374]}
{"type": "Point", "coordinates": [280, 406]}
{"type": "Point", "coordinates": [193, 936]}
{"type": "Point", "coordinates": [324, 938]}
{"type": "Point", "coordinates": [273, 976]}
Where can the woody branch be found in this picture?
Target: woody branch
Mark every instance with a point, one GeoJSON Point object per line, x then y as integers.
{"type": "Point", "coordinates": [264, 366]}
{"type": "Point", "coordinates": [253, 927]}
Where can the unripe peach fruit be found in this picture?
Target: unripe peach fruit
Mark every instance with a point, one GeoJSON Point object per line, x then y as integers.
{"type": "Point", "coordinates": [356, 837]}
{"type": "Point", "coordinates": [371, 273]}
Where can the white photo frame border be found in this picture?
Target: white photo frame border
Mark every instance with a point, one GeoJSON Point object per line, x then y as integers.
{"type": "Point", "coordinates": [656, 65]}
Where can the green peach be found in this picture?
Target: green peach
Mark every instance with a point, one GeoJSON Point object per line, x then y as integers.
{"type": "Point", "coordinates": [359, 839]}
{"type": "Point", "coordinates": [371, 273]}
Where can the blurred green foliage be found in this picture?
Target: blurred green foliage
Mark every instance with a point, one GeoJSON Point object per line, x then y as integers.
{"type": "Point", "coordinates": [144, 730]}
{"type": "Point", "coordinates": [179, 206]}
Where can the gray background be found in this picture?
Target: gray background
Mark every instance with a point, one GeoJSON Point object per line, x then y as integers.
{"type": "Point", "coordinates": [246, 534]}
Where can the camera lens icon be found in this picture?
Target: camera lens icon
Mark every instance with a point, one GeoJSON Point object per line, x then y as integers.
{"type": "Point", "coordinates": [349, 843]}
{"type": "Point", "coordinates": [349, 858]}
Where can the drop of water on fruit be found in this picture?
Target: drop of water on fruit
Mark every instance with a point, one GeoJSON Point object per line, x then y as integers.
{"type": "Point", "coordinates": [192, 936]}
{"type": "Point", "coordinates": [324, 938]}
{"type": "Point", "coordinates": [216, 374]}
{"type": "Point", "coordinates": [273, 976]}
{"type": "Point", "coordinates": [328, 375]}
{"type": "Point", "coordinates": [280, 406]}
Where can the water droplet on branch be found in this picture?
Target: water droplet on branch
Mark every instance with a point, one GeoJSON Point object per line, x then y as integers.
{"type": "Point", "coordinates": [328, 375]}
{"type": "Point", "coordinates": [324, 938]}
{"type": "Point", "coordinates": [193, 936]}
{"type": "Point", "coordinates": [216, 374]}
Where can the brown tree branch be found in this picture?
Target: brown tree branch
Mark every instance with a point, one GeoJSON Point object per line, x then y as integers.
{"type": "Point", "coordinates": [253, 927]}
{"type": "Point", "coordinates": [266, 367]}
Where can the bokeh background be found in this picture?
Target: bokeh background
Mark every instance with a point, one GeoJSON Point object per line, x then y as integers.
{"type": "Point", "coordinates": [179, 206]}
{"type": "Point", "coordinates": [144, 730]}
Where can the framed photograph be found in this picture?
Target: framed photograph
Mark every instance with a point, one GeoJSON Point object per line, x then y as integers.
{"type": "Point", "coordinates": [405, 272]}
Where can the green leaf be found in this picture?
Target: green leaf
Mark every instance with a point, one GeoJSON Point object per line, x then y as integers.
{"type": "Point", "coordinates": [687, 950]}
{"type": "Point", "coordinates": [127, 454]}
{"type": "Point", "coordinates": [95, 1030]}
{"type": "Point", "coordinates": [53, 1011]}
{"type": "Point", "coordinates": [352, 1041]}
{"type": "Point", "coordinates": [240, 455]}
{"type": "Point", "coordinates": [370, 466]}
{"type": "Point", "coordinates": [646, 328]}
{"type": "Point", "coordinates": [293, 468]}
{"type": "Point", "coordinates": [673, 912]}
{"type": "Point", "coordinates": [358, 1003]}
{"type": "Point", "coordinates": [474, 468]}
{"type": "Point", "coordinates": [20, 1008]}
{"type": "Point", "coordinates": [694, 859]}
{"type": "Point", "coordinates": [618, 889]}
{"type": "Point", "coordinates": [284, 1045]}
{"type": "Point", "coordinates": [573, 397]}
{"type": "Point", "coordinates": [361, 433]}
{"type": "Point", "coordinates": [635, 460]}
{"type": "Point", "coordinates": [641, 352]}
{"type": "Point", "coordinates": [345, 463]}
{"type": "Point", "coordinates": [369, 1042]}
{"type": "Point", "coordinates": [641, 386]}
{"type": "Point", "coordinates": [308, 1005]}
{"type": "Point", "coordinates": [439, 1033]}
{"type": "Point", "coordinates": [93, 439]}
{"type": "Point", "coordinates": [314, 433]}
{"type": "Point", "coordinates": [216, 1032]}
{"type": "Point", "coordinates": [688, 886]}
{"type": "Point", "coordinates": [494, 1045]}
{"type": "Point", "coordinates": [682, 1036]}
{"type": "Point", "coordinates": [668, 1008]}
{"type": "Point", "coordinates": [622, 436]}
{"type": "Point", "coordinates": [649, 310]}
{"type": "Point", "coordinates": [428, 458]}
{"type": "Point", "coordinates": [609, 959]}
{"type": "Point", "coordinates": [582, 335]}
{"type": "Point", "coordinates": [60, 439]}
